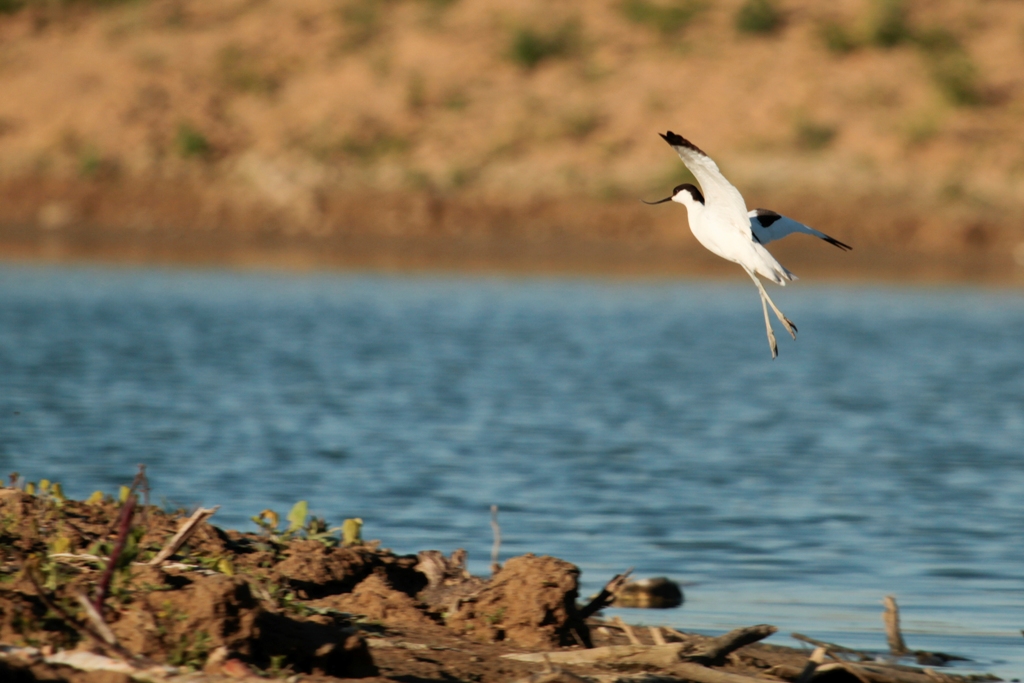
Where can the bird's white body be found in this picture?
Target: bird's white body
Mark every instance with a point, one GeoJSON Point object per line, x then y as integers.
{"type": "Point", "coordinates": [725, 234]}
{"type": "Point", "coordinates": [720, 221]}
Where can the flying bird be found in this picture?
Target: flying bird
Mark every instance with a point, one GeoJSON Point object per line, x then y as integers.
{"type": "Point", "coordinates": [720, 221]}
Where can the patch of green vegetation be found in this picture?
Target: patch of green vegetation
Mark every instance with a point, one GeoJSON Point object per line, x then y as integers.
{"type": "Point", "coordinates": [11, 6]}
{"type": "Point", "coordinates": [496, 617]}
{"type": "Point", "coordinates": [813, 136]}
{"type": "Point", "coordinates": [953, 71]}
{"type": "Point", "coordinates": [668, 18]}
{"type": "Point", "coordinates": [956, 77]}
{"type": "Point", "coordinates": [532, 46]}
{"type": "Point", "coordinates": [362, 22]}
{"type": "Point", "coordinates": [14, 6]}
{"type": "Point", "coordinates": [758, 17]}
{"type": "Point", "coordinates": [89, 164]}
{"type": "Point", "coordinates": [191, 143]}
{"type": "Point", "coordinates": [191, 650]}
{"type": "Point", "coordinates": [921, 129]}
{"type": "Point", "coordinates": [837, 38]}
{"type": "Point", "coordinates": [889, 25]}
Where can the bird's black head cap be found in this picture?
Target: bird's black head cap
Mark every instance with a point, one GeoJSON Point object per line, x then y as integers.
{"type": "Point", "coordinates": [692, 189]}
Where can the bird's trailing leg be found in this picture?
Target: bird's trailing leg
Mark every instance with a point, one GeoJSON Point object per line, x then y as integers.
{"type": "Point", "coordinates": [768, 327]}
{"type": "Point", "coordinates": [787, 323]}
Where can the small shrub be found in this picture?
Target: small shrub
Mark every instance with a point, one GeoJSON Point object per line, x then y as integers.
{"type": "Point", "coordinates": [937, 41]}
{"type": "Point", "coordinates": [362, 22]}
{"type": "Point", "coordinates": [837, 38]}
{"type": "Point", "coordinates": [531, 46]}
{"type": "Point", "coordinates": [956, 77]}
{"type": "Point", "coordinates": [190, 142]}
{"type": "Point", "coordinates": [11, 6]}
{"type": "Point", "coordinates": [759, 17]}
{"type": "Point", "coordinates": [814, 136]}
{"type": "Point", "coordinates": [889, 26]}
{"type": "Point", "coordinates": [92, 164]}
{"type": "Point", "coordinates": [952, 69]}
{"type": "Point", "coordinates": [668, 19]}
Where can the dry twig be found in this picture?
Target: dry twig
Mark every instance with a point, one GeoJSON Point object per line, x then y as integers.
{"type": "Point", "coordinates": [495, 567]}
{"type": "Point", "coordinates": [185, 531]}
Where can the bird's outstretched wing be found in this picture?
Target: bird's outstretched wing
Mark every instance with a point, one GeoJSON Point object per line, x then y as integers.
{"type": "Point", "coordinates": [717, 190]}
{"type": "Point", "coordinates": [769, 226]}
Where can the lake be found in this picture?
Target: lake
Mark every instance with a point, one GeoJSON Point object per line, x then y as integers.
{"type": "Point", "coordinates": [615, 424]}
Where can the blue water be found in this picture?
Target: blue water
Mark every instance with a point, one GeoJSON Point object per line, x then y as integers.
{"type": "Point", "coordinates": [615, 424]}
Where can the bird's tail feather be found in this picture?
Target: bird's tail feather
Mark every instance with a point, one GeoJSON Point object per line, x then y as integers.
{"type": "Point", "coordinates": [770, 269]}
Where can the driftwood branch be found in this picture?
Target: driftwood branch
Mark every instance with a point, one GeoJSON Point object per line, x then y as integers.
{"type": "Point", "coordinates": [681, 673]}
{"type": "Point", "coordinates": [716, 650]}
{"type": "Point", "coordinates": [657, 655]}
{"type": "Point", "coordinates": [185, 531]}
{"type": "Point", "coordinates": [891, 617]}
{"type": "Point", "coordinates": [829, 647]}
{"type": "Point", "coordinates": [607, 594]}
{"type": "Point", "coordinates": [495, 567]}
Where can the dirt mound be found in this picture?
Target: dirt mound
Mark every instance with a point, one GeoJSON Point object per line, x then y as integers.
{"type": "Point", "coordinates": [531, 602]}
{"type": "Point", "coordinates": [375, 599]}
{"type": "Point", "coordinates": [318, 570]}
{"type": "Point", "coordinates": [275, 600]}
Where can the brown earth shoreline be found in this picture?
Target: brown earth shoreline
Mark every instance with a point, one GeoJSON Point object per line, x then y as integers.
{"type": "Point", "coordinates": [166, 223]}
{"type": "Point", "coordinates": [299, 603]}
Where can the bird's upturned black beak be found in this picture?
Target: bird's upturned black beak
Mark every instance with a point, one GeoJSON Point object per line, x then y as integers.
{"type": "Point", "coordinates": [660, 201]}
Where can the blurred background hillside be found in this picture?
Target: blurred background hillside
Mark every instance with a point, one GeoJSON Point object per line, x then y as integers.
{"type": "Point", "coordinates": [512, 134]}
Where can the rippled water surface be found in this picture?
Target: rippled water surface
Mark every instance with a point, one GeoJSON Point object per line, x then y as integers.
{"type": "Point", "coordinates": [615, 424]}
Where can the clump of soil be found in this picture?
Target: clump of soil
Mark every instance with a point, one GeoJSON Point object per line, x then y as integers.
{"type": "Point", "coordinates": [531, 602]}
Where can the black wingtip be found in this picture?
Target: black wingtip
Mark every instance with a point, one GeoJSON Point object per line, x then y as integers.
{"type": "Point", "coordinates": [679, 141]}
{"type": "Point", "coordinates": [834, 242]}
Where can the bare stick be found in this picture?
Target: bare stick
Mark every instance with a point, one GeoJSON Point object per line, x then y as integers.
{"type": "Point", "coordinates": [495, 567]}
{"type": "Point", "coordinates": [124, 526]}
{"type": "Point", "coordinates": [656, 635]}
{"type": "Point", "coordinates": [891, 617]}
{"type": "Point", "coordinates": [96, 620]}
{"type": "Point", "coordinates": [718, 648]}
{"type": "Point", "coordinates": [185, 531]}
{"type": "Point", "coordinates": [830, 647]}
{"type": "Point", "coordinates": [607, 594]}
{"type": "Point", "coordinates": [628, 630]}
